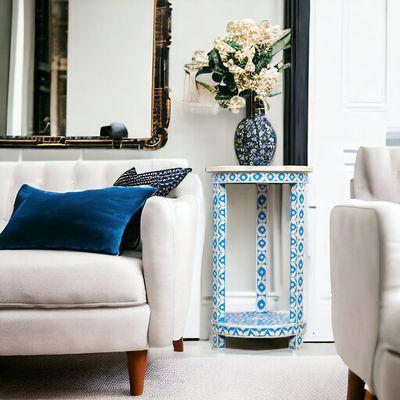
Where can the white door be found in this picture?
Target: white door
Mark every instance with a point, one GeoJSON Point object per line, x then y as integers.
{"type": "Point", "coordinates": [348, 109]}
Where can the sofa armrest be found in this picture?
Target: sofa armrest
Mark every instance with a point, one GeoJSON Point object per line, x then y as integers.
{"type": "Point", "coordinates": [365, 259]}
{"type": "Point", "coordinates": [169, 231]}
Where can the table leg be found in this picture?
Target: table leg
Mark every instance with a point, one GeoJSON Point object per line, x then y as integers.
{"type": "Point", "coordinates": [261, 249]}
{"type": "Point", "coordinates": [296, 259]}
{"type": "Point", "coordinates": [219, 259]}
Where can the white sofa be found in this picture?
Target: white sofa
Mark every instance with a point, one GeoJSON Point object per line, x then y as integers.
{"type": "Point", "coordinates": [365, 272]}
{"type": "Point", "coordinates": [66, 302]}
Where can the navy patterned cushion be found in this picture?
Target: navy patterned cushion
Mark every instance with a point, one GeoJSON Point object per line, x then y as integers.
{"type": "Point", "coordinates": [164, 181]}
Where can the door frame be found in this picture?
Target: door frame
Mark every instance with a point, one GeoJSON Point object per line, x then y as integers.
{"type": "Point", "coordinates": [295, 132]}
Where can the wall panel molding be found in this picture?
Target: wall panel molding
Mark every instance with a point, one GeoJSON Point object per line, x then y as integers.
{"type": "Point", "coordinates": [364, 46]}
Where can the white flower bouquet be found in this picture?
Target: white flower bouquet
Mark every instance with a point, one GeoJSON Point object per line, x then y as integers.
{"type": "Point", "coordinates": [245, 62]}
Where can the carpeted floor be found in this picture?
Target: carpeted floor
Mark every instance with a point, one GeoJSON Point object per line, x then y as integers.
{"type": "Point", "coordinates": [216, 375]}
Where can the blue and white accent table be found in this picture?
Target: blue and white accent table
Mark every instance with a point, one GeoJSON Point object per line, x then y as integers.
{"type": "Point", "coordinates": [260, 323]}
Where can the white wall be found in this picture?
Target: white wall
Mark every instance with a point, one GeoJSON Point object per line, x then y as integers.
{"type": "Point", "coordinates": [204, 140]}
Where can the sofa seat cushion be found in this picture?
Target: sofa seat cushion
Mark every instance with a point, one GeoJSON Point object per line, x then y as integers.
{"type": "Point", "coordinates": [70, 279]}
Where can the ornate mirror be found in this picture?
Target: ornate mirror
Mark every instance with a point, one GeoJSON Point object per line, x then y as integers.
{"type": "Point", "coordinates": [71, 67]}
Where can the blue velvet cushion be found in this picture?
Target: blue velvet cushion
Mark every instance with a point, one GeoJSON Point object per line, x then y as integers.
{"type": "Point", "coordinates": [92, 220]}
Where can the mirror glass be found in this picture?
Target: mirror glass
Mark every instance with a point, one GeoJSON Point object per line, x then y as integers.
{"type": "Point", "coordinates": [72, 66]}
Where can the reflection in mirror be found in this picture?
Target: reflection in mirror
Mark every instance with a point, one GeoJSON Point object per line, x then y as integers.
{"type": "Point", "coordinates": [50, 67]}
{"type": "Point", "coordinates": [75, 66]}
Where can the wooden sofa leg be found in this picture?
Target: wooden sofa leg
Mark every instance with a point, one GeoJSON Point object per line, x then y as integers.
{"type": "Point", "coordinates": [355, 387]}
{"type": "Point", "coordinates": [178, 345]}
{"type": "Point", "coordinates": [137, 364]}
{"type": "Point", "coordinates": [369, 396]}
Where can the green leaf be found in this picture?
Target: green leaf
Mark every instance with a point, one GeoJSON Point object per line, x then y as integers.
{"type": "Point", "coordinates": [214, 58]}
{"type": "Point", "coordinates": [281, 67]}
{"type": "Point", "coordinates": [224, 92]}
{"type": "Point", "coordinates": [261, 60]}
{"type": "Point", "coordinates": [235, 45]}
{"type": "Point", "coordinates": [220, 96]}
{"type": "Point", "coordinates": [283, 42]}
{"type": "Point", "coordinates": [215, 62]}
{"type": "Point", "coordinates": [216, 77]}
{"type": "Point", "coordinates": [204, 70]}
{"type": "Point", "coordinates": [262, 63]}
{"type": "Point", "coordinates": [210, 88]}
{"type": "Point", "coordinates": [229, 81]}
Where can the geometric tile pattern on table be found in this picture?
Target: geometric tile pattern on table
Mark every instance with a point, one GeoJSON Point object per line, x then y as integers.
{"type": "Point", "coordinates": [296, 256]}
{"type": "Point", "coordinates": [260, 177]}
{"type": "Point", "coordinates": [261, 248]}
{"type": "Point", "coordinates": [259, 323]}
{"type": "Point", "coordinates": [219, 255]}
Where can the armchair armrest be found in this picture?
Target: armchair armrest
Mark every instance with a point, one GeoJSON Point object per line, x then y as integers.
{"type": "Point", "coordinates": [171, 233]}
{"type": "Point", "coordinates": [365, 260]}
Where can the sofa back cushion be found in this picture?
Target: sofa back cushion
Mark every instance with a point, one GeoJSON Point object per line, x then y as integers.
{"type": "Point", "coordinates": [377, 174]}
{"type": "Point", "coordinates": [64, 176]}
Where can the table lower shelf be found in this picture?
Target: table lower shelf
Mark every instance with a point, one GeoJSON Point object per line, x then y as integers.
{"type": "Point", "coordinates": [257, 324]}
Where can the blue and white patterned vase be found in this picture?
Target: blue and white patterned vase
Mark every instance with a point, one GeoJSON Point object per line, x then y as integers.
{"type": "Point", "coordinates": [255, 141]}
{"type": "Point", "coordinates": [255, 138]}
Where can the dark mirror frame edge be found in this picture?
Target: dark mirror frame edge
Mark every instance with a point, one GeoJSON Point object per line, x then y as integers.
{"type": "Point", "coordinates": [161, 103]}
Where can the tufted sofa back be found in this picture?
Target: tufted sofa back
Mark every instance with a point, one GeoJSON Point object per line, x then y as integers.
{"type": "Point", "coordinates": [62, 176]}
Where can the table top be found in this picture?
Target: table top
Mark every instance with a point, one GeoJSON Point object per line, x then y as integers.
{"type": "Point", "coordinates": [261, 168]}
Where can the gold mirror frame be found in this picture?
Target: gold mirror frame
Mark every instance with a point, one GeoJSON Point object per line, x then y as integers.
{"type": "Point", "coordinates": [161, 103]}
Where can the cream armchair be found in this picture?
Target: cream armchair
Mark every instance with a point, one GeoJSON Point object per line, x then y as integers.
{"type": "Point", "coordinates": [66, 302]}
{"type": "Point", "coordinates": [365, 273]}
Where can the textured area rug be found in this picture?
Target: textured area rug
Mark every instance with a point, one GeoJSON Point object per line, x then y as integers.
{"type": "Point", "coordinates": [219, 376]}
